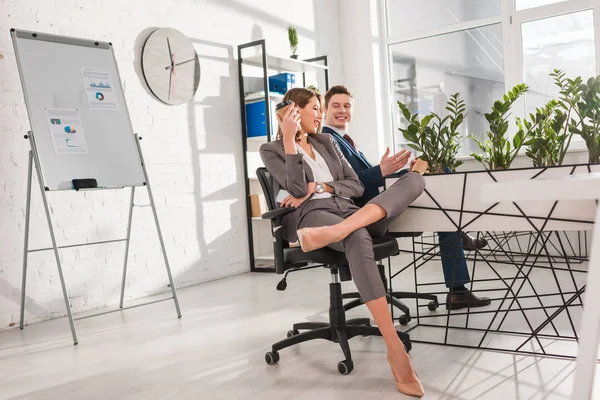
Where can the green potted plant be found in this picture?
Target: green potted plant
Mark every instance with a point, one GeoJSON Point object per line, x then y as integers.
{"type": "Point", "coordinates": [293, 39]}
{"type": "Point", "coordinates": [588, 110]}
{"type": "Point", "coordinates": [497, 152]}
{"type": "Point", "coordinates": [551, 138]}
{"type": "Point", "coordinates": [547, 143]}
{"type": "Point", "coordinates": [438, 143]}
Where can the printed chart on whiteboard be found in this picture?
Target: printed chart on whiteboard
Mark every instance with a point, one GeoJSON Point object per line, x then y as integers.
{"type": "Point", "coordinates": [66, 131]}
{"type": "Point", "coordinates": [99, 89]}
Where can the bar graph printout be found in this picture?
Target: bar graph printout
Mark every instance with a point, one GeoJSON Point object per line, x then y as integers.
{"type": "Point", "coordinates": [99, 89]}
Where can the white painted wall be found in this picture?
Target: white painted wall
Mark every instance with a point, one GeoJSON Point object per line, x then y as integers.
{"type": "Point", "coordinates": [360, 60]}
{"type": "Point", "coordinates": [193, 152]}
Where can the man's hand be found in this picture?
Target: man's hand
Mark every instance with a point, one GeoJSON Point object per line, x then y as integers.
{"type": "Point", "coordinates": [390, 164]}
{"type": "Point", "coordinates": [292, 201]}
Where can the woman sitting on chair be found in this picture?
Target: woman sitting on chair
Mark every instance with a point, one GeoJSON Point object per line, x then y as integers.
{"type": "Point", "coordinates": [321, 184]}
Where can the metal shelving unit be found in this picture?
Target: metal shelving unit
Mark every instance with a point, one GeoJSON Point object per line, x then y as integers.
{"type": "Point", "coordinates": [253, 58]}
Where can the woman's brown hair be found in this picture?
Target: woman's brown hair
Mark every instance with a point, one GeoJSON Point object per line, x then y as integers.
{"type": "Point", "coordinates": [300, 97]}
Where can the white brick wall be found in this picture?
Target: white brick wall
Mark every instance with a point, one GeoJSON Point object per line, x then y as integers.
{"type": "Point", "coordinates": [193, 152]}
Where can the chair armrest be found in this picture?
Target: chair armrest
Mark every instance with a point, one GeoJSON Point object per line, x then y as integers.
{"type": "Point", "coordinates": [278, 213]}
{"type": "Point", "coordinates": [403, 234]}
{"type": "Point", "coordinates": [276, 217]}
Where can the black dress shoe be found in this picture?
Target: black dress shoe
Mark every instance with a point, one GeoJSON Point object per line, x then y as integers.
{"type": "Point", "coordinates": [470, 243]}
{"type": "Point", "coordinates": [458, 300]}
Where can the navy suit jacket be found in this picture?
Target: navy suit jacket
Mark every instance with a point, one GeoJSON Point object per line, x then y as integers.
{"type": "Point", "coordinates": [369, 175]}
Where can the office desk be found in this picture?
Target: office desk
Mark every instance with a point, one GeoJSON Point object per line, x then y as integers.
{"type": "Point", "coordinates": [572, 188]}
{"type": "Point", "coordinates": [531, 199]}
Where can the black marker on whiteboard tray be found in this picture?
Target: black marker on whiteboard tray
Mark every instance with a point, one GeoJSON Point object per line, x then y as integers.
{"type": "Point", "coordinates": [84, 184]}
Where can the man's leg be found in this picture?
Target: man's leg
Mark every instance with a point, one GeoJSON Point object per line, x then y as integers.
{"type": "Point", "coordinates": [456, 273]}
{"type": "Point", "coordinates": [454, 265]}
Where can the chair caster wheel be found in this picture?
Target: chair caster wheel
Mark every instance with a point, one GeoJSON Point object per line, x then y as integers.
{"type": "Point", "coordinates": [345, 367]}
{"type": "Point", "coordinates": [272, 358]}
{"type": "Point", "coordinates": [292, 333]}
{"type": "Point", "coordinates": [433, 305]}
{"type": "Point", "coordinates": [404, 319]}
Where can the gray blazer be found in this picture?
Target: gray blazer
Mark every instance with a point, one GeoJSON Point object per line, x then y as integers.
{"type": "Point", "coordinates": [291, 174]}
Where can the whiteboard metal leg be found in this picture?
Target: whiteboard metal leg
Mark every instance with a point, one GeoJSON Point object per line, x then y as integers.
{"type": "Point", "coordinates": [127, 246]}
{"type": "Point", "coordinates": [56, 255]}
{"type": "Point", "coordinates": [587, 356]}
{"type": "Point", "coordinates": [160, 237]}
{"type": "Point", "coordinates": [26, 246]}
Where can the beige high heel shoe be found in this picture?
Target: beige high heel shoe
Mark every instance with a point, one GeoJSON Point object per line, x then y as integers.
{"type": "Point", "coordinates": [411, 388]}
{"type": "Point", "coordinates": [306, 240]}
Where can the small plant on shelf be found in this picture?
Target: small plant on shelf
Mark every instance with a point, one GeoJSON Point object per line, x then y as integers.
{"type": "Point", "coordinates": [438, 143]}
{"type": "Point", "coordinates": [293, 39]}
{"type": "Point", "coordinates": [497, 152]}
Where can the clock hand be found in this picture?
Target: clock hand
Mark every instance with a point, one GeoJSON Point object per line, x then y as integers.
{"type": "Point", "coordinates": [173, 73]}
{"type": "Point", "coordinates": [170, 53]}
{"type": "Point", "coordinates": [171, 76]}
{"type": "Point", "coordinates": [185, 62]}
{"type": "Point", "coordinates": [178, 64]}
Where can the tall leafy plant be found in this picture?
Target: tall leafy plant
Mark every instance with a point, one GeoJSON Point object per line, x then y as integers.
{"type": "Point", "coordinates": [497, 151]}
{"type": "Point", "coordinates": [589, 118]}
{"type": "Point", "coordinates": [568, 98]}
{"type": "Point", "coordinates": [436, 138]}
{"type": "Point", "coordinates": [547, 138]}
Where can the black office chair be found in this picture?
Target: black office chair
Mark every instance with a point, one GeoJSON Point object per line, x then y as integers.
{"type": "Point", "coordinates": [337, 329]}
{"type": "Point", "coordinates": [392, 297]}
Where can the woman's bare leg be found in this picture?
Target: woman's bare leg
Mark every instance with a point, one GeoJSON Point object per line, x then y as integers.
{"type": "Point", "coordinates": [402, 369]}
{"type": "Point", "coordinates": [316, 238]}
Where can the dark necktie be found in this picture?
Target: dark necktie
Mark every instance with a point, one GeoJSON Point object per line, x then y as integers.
{"type": "Point", "coordinates": [349, 140]}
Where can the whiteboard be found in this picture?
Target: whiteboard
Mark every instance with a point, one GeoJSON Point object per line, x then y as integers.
{"type": "Point", "coordinates": [77, 111]}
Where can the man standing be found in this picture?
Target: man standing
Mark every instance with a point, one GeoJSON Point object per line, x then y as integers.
{"type": "Point", "coordinates": [339, 103]}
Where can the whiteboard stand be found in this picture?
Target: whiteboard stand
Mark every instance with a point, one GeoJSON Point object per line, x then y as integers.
{"type": "Point", "coordinates": [33, 158]}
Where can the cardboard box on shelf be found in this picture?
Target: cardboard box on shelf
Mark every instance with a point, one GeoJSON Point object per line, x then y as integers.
{"type": "Point", "coordinates": [258, 205]}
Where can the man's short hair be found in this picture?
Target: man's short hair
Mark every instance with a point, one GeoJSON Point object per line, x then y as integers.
{"type": "Point", "coordinates": [337, 89]}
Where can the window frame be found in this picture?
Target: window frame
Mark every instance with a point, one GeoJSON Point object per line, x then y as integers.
{"type": "Point", "coordinates": [510, 20]}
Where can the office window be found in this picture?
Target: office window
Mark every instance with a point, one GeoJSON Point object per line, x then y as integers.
{"type": "Point", "coordinates": [409, 16]}
{"type": "Point", "coordinates": [525, 4]}
{"type": "Point", "coordinates": [426, 72]}
{"type": "Point", "coordinates": [453, 46]}
{"type": "Point", "coordinates": [564, 42]}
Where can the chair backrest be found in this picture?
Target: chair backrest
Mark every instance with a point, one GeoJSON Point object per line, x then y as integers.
{"type": "Point", "coordinates": [295, 256]}
{"type": "Point", "coordinates": [279, 244]}
{"type": "Point", "coordinates": [266, 182]}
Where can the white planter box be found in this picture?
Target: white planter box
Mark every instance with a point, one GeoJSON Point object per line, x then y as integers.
{"type": "Point", "coordinates": [453, 202]}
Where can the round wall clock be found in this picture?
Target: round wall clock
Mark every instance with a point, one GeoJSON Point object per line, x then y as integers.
{"type": "Point", "coordinates": [170, 66]}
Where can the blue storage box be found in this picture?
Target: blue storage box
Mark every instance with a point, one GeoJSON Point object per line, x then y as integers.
{"type": "Point", "coordinates": [256, 119]}
{"type": "Point", "coordinates": [281, 83]}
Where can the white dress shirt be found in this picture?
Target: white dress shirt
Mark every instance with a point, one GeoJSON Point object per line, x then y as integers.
{"type": "Point", "coordinates": [319, 168]}
{"type": "Point", "coordinates": [337, 130]}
